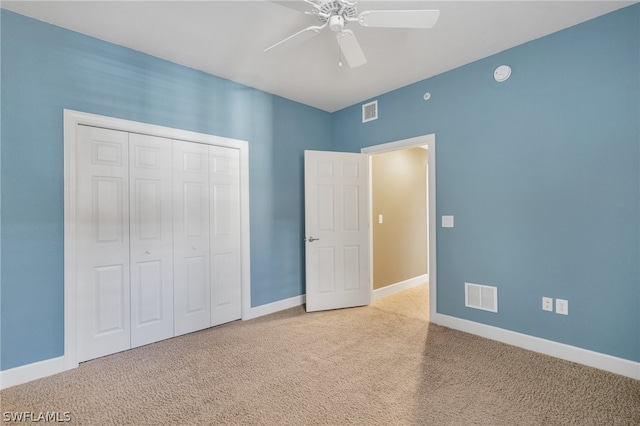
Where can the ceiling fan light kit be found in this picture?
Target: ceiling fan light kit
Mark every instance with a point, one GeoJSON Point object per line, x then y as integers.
{"type": "Point", "coordinates": [336, 23]}
{"type": "Point", "coordinates": [336, 14]}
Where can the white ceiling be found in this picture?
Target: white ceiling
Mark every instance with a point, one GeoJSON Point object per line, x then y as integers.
{"type": "Point", "coordinates": [227, 39]}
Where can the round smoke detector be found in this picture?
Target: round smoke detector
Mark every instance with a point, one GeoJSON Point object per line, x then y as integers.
{"type": "Point", "coordinates": [502, 73]}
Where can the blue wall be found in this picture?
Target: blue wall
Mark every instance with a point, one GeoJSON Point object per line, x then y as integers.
{"type": "Point", "coordinates": [541, 172]}
{"type": "Point", "coordinates": [542, 175]}
{"type": "Point", "coordinates": [46, 69]}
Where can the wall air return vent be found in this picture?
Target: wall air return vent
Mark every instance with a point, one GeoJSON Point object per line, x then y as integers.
{"type": "Point", "coordinates": [370, 111]}
{"type": "Point", "coordinates": [481, 297]}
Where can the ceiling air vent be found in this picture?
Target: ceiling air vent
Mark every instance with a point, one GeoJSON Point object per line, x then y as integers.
{"type": "Point", "coordinates": [370, 111]}
{"type": "Point", "coordinates": [481, 297]}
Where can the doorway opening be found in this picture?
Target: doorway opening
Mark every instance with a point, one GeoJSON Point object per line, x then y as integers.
{"type": "Point", "coordinates": [417, 248]}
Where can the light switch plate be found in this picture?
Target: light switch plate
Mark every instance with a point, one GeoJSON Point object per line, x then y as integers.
{"type": "Point", "coordinates": [447, 221]}
{"type": "Point", "coordinates": [379, 218]}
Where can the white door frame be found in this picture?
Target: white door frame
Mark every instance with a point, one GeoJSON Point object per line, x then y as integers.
{"type": "Point", "coordinates": [72, 119]}
{"type": "Point", "coordinates": [430, 142]}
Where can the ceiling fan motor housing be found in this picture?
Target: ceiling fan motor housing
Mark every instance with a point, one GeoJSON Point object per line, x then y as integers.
{"type": "Point", "coordinates": [329, 9]}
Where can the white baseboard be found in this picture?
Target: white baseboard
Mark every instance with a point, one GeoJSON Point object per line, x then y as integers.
{"type": "Point", "coordinates": [598, 360]}
{"type": "Point", "coordinates": [623, 367]}
{"type": "Point", "coordinates": [29, 372]}
{"type": "Point", "coordinates": [38, 370]}
{"type": "Point", "coordinates": [271, 308]}
{"type": "Point", "coordinates": [292, 302]}
{"type": "Point", "coordinates": [402, 285]}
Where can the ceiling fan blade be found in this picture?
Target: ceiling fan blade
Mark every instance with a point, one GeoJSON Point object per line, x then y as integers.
{"type": "Point", "coordinates": [299, 5]}
{"type": "Point", "coordinates": [351, 48]}
{"type": "Point", "coordinates": [399, 18]}
{"type": "Point", "coordinates": [296, 39]}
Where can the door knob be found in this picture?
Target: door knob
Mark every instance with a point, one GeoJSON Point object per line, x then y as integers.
{"type": "Point", "coordinates": [195, 248]}
{"type": "Point", "coordinates": [148, 251]}
{"type": "Point", "coordinates": [311, 239]}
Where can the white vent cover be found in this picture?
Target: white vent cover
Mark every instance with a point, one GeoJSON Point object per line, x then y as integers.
{"type": "Point", "coordinates": [370, 111]}
{"type": "Point", "coordinates": [481, 297]}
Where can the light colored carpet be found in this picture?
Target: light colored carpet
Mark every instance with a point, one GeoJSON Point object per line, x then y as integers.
{"type": "Point", "coordinates": [383, 364]}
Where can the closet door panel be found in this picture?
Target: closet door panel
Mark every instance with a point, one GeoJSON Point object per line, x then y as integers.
{"type": "Point", "coordinates": [192, 289]}
{"type": "Point", "coordinates": [102, 239]}
{"type": "Point", "coordinates": [225, 235]}
{"type": "Point", "coordinates": [151, 230]}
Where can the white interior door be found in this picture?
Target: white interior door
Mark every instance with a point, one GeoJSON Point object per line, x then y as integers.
{"type": "Point", "coordinates": [192, 295]}
{"type": "Point", "coordinates": [102, 242]}
{"type": "Point", "coordinates": [224, 199]}
{"type": "Point", "coordinates": [337, 230]}
{"type": "Point", "coordinates": [151, 239]}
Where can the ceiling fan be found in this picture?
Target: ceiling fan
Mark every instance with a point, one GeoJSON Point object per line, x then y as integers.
{"type": "Point", "coordinates": [337, 14]}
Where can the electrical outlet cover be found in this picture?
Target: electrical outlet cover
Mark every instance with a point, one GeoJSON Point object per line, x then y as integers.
{"type": "Point", "coordinates": [562, 306]}
{"type": "Point", "coordinates": [547, 304]}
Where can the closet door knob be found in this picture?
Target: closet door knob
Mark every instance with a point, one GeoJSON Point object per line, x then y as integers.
{"type": "Point", "coordinates": [195, 248]}
{"type": "Point", "coordinates": [148, 251]}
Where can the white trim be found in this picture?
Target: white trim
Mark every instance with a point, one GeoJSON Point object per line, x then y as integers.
{"type": "Point", "coordinates": [94, 120]}
{"type": "Point", "coordinates": [26, 373]}
{"type": "Point", "coordinates": [586, 357]}
{"type": "Point", "coordinates": [372, 296]}
{"type": "Point", "coordinates": [70, 315]}
{"type": "Point", "coordinates": [402, 285]}
{"type": "Point", "coordinates": [415, 142]}
{"type": "Point", "coordinates": [271, 308]}
{"type": "Point", "coordinates": [72, 119]}
{"type": "Point", "coordinates": [245, 267]}
{"type": "Point", "coordinates": [430, 142]}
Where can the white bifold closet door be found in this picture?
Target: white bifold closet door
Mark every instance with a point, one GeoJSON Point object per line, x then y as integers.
{"type": "Point", "coordinates": [225, 234]}
{"type": "Point", "coordinates": [151, 239]}
{"type": "Point", "coordinates": [191, 237]}
{"type": "Point", "coordinates": [206, 236]}
{"type": "Point", "coordinates": [103, 292]}
{"type": "Point", "coordinates": [158, 238]}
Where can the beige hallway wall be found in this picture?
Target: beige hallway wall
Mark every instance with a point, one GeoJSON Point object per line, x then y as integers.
{"type": "Point", "coordinates": [399, 187]}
